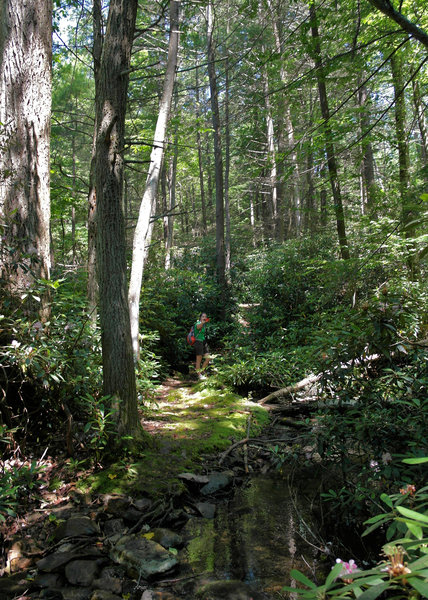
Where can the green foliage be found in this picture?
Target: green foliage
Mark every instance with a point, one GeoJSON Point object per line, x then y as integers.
{"type": "Point", "coordinates": [101, 425]}
{"type": "Point", "coordinates": [47, 364]}
{"type": "Point", "coordinates": [171, 302]}
{"type": "Point", "coordinates": [19, 480]}
{"type": "Point", "coordinates": [402, 573]}
{"type": "Point", "coordinates": [242, 369]}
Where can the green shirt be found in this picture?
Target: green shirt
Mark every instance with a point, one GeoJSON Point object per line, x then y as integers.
{"type": "Point", "coordinates": [200, 333]}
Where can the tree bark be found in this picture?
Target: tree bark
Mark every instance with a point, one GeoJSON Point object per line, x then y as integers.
{"type": "Point", "coordinates": [171, 192]}
{"type": "Point", "coordinates": [420, 114]}
{"type": "Point", "coordinates": [143, 230]}
{"type": "Point", "coordinates": [227, 162]}
{"type": "Point", "coordinates": [25, 108]}
{"type": "Point", "coordinates": [92, 285]}
{"type": "Point", "coordinates": [270, 159]}
{"type": "Point", "coordinates": [219, 186]}
{"type": "Point", "coordinates": [111, 98]}
{"type": "Point", "coordinates": [331, 156]}
{"type": "Point", "coordinates": [401, 137]}
{"type": "Point", "coordinates": [200, 159]}
{"type": "Point", "coordinates": [368, 172]}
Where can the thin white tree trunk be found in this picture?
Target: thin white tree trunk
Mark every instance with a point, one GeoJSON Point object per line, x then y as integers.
{"type": "Point", "coordinates": [144, 228]}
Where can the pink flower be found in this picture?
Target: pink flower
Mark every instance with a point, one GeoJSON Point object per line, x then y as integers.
{"type": "Point", "coordinates": [348, 568]}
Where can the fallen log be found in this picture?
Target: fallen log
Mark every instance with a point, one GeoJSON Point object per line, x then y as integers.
{"type": "Point", "coordinates": [291, 389]}
{"type": "Point", "coordinates": [312, 379]}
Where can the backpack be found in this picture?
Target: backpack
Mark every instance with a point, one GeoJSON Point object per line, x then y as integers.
{"type": "Point", "coordinates": [191, 336]}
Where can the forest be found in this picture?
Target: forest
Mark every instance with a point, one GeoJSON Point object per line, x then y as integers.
{"type": "Point", "coordinates": [263, 163]}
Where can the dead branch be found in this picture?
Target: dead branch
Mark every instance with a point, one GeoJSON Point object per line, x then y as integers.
{"type": "Point", "coordinates": [291, 389]}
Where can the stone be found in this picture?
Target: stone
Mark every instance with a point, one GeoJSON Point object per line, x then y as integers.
{"type": "Point", "coordinates": [142, 557]}
{"type": "Point", "coordinates": [206, 509]}
{"type": "Point", "coordinates": [217, 481]}
{"type": "Point", "coordinates": [48, 580]}
{"type": "Point", "coordinates": [76, 593]}
{"type": "Point", "coordinates": [81, 572]}
{"type": "Point", "coordinates": [51, 594]}
{"type": "Point", "coordinates": [76, 527]}
{"type": "Point", "coordinates": [167, 538]}
{"type": "Point", "coordinates": [116, 504]}
{"type": "Point", "coordinates": [109, 580]}
{"type": "Point", "coordinates": [143, 504]}
{"type": "Point", "coordinates": [54, 562]}
{"type": "Point", "coordinates": [113, 526]}
{"type": "Point", "coordinates": [132, 515]}
{"type": "Point", "coordinates": [194, 478]}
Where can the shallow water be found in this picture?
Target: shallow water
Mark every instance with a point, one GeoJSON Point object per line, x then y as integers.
{"type": "Point", "coordinates": [257, 537]}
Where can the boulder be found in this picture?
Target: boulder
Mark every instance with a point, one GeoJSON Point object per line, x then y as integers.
{"type": "Point", "coordinates": [142, 557]}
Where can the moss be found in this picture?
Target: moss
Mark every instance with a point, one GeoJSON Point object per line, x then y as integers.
{"type": "Point", "coordinates": [191, 423]}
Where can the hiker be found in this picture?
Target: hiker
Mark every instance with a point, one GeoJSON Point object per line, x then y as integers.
{"type": "Point", "coordinates": [201, 346]}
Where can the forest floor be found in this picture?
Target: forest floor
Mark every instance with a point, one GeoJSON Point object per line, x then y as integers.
{"type": "Point", "coordinates": [190, 423]}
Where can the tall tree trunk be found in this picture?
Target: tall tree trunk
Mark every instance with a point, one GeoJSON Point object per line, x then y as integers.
{"type": "Point", "coordinates": [402, 145]}
{"type": "Point", "coordinates": [143, 230]}
{"type": "Point", "coordinates": [200, 154]}
{"type": "Point", "coordinates": [407, 212]}
{"type": "Point", "coordinates": [92, 285]}
{"type": "Point", "coordinates": [172, 202]}
{"type": "Point", "coordinates": [310, 223]}
{"type": "Point", "coordinates": [111, 95]}
{"type": "Point", "coordinates": [73, 195]}
{"type": "Point", "coordinates": [287, 151]}
{"type": "Point", "coordinates": [172, 184]}
{"type": "Point", "coordinates": [420, 114]}
{"type": "Point", "coordinates": [368, 171]}
{"type": "Point", "coordinates": [331, 157]}
{"type": "Point", "coordinates": [227, 162]}
{"type": "Point", "coordinates": [272, 206]}
{"type": "Point", "coordinates": [220, 255]}
{"type": "Point", "coordinates": [25, 109]}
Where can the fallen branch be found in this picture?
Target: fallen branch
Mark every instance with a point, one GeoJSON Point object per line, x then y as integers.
{"type": "Point", "coordinates": [291, 389]}
{"type": "Point", "coordinates": [312, 379]}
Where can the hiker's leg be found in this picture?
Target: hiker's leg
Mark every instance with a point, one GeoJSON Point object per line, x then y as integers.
{"type": "Point", "coordinates": [206, 361]}
{"type": "Point", "coordinates": [198, 362]}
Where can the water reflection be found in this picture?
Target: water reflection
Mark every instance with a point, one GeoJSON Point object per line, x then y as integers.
{"type": "Point", "coordinates": [257, 537]}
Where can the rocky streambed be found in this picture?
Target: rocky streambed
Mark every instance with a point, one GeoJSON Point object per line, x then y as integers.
{"type": "Point", "coordinates": [225, 537]}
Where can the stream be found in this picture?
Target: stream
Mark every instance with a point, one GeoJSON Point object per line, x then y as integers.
{"type": "Point", "coordinates": [257, 537]}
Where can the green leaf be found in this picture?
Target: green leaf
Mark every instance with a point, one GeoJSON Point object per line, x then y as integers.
{"type": "Point", "coordinates": [416, 530]}
{"type": "Point", "coordinates": [419, 585]}
{"type": "Point", "coordinates": [415, 461]}
{"type": "Point", "coordinates": [411, 514]}
{"type": "Point", "coordinates": [302, 578]}
{"type": "Point", "coordinates": [374, 592]}
{"type": "Point", "coordinates": [385, 498]}
{"type": "Point", "coordinates": [419, 563]}
{"type": "Point", "coordinates": [375, 519]}
{"type": "Point", "coordinates": [333, 575]}
{"type": "Point", "coordinates": [390, 531]}
{"type": "Point", "coordinates": [372, 528]}
{"type": "Point", "coordinates": [300, 592]}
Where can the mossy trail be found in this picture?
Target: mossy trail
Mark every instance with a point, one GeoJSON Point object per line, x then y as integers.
{"type": "Point", "coordinates": [189, 424]}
